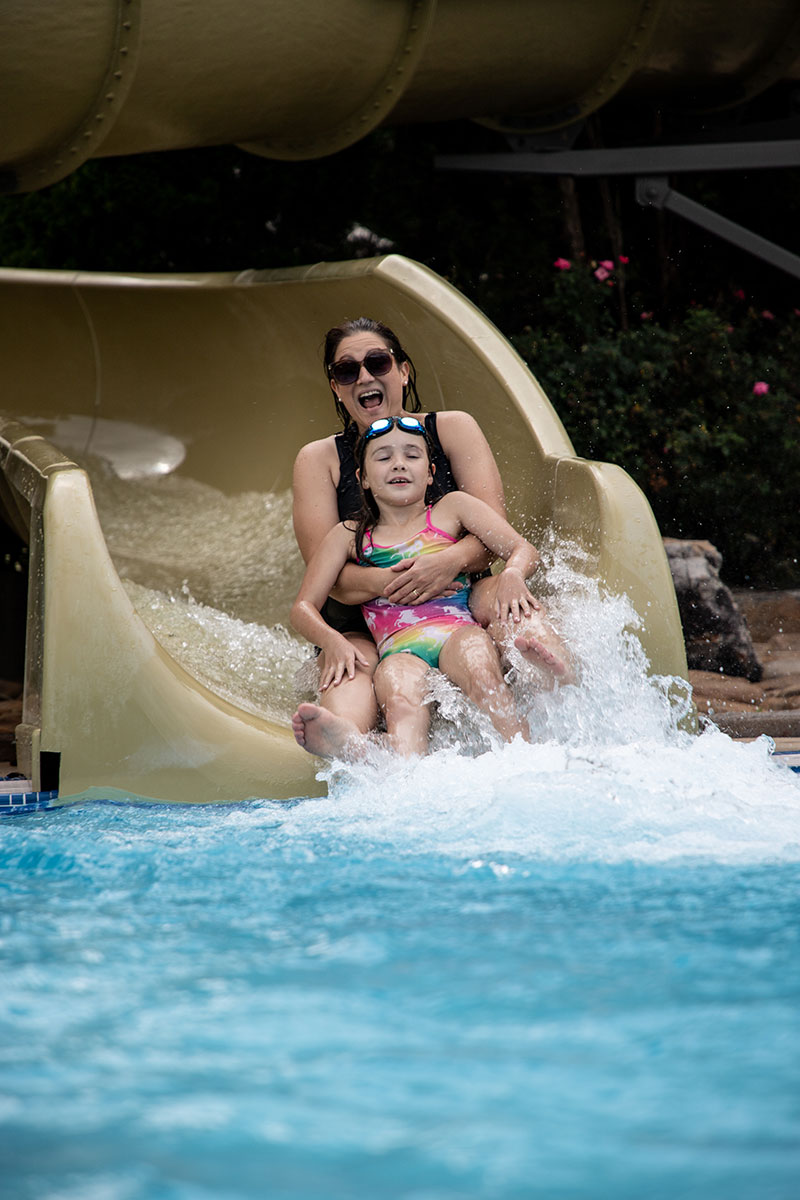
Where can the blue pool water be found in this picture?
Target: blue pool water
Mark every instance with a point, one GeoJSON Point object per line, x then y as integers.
{"type": "Point", "coordinates": [567, 970]}
{"type": "Point", "coordinates": [561, 971]}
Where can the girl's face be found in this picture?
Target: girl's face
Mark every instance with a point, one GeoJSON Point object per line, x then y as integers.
{"type": "Point", "coordinates": [370, 396]}
{"type": "Point", "coordinates": [396, 468]}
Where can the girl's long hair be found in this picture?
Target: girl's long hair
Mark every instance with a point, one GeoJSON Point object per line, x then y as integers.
{"type": "Point", "coordinates": [411, 401]}
{"type": "Point", "coordinates": [370, 514]}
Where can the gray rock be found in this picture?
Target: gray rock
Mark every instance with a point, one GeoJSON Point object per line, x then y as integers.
{"type": "Point", "coordinates": [715, 632]}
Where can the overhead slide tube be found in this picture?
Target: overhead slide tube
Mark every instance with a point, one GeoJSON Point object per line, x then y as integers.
{"type": "Point", "coordinates": [296, 79]}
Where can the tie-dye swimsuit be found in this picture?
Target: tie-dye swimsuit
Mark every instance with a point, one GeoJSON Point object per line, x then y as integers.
{"type": "Point", "coordinates": [420, 629]}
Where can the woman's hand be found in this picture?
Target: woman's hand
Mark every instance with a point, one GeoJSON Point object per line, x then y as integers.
{"type": "Point", "coordinates": [419, 579]}
{"type": "Point", "coordinates": [342, 658]}
{"type": "Point", "coordinates": [512, 598]}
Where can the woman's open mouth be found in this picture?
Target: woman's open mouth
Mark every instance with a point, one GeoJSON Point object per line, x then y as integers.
{"type": "Point", "coordinates": [371, 399]}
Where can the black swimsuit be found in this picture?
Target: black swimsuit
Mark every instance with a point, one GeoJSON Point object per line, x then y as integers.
{"type": "Point", "coordinates": [347, 618]}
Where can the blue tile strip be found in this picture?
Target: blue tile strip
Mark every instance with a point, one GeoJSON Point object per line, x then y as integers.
{"type": "Point", "coordinates": [13, 803]}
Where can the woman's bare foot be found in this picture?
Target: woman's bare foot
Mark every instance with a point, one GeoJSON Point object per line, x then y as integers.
{"type": "Point", "coordinates": [537, 653]}
{"type": "Point", "coordinates": [323, 733]}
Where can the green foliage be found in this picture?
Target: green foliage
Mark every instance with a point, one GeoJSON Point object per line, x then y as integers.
{"type": "Point", "coordinates": [705, 416]}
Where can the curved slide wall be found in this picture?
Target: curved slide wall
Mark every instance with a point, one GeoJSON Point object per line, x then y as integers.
{"type": "Point", "coordinates": [228, 367]}
{"type": "Point", "coordinates": [303, 78]}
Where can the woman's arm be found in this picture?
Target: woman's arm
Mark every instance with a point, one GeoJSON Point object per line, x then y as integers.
{"type": "Point", "coordinates": [315, 513]}
{"type": "Point", "coordinates": [471, 458]}
{"type": "Point", "coordinates": [341, 655]}
{"type": "Point", "coordinates": [475, 472]}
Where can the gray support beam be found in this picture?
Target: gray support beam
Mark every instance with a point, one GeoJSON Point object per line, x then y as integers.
{"type": "Point", "coordinates": [634, 160]}
{"type": "Point", "coordinates": [655, 192]}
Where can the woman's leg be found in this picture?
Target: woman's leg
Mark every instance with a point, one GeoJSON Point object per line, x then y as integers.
{"type": "Point", "coordinates": [400, 686]}
{"type": "Point", "coordinates": [533, 636]}
{"type": "Point", "coordinates": [336, 727]}
{"type": "Point", "coordinates": [471, 660]}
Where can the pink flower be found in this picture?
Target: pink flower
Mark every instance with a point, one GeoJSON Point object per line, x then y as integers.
{"type": "Point", "coordinates": [739, 294]}
{"type": "Point", "coordinates": [562, 264]}
{"type": "Point", "coordinates": [601, 273]}
{"type": "Point", "coordinates": [623, 258]}
{"type": "Point", "coordinates": [760, 388]}
{"type": "Point", "coordinates": [608, 263]}
{"type": "Point", "coordinates": [767, 315]}
{"type": "Point", "coordinates": [645, 316]}
{"type": "Point", "coordinates": [729, 329]}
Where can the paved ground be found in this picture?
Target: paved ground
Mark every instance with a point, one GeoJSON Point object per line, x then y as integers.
{"type": "Point", "coordinates": [771, 706]}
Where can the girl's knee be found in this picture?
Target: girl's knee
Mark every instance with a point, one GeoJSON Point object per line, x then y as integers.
{"type": "Point", "coordinates": [402, 682]}
{"type": "Point", "coordinates": [470, 648]}
{"type": "Point", "coordinates": [473, 664]}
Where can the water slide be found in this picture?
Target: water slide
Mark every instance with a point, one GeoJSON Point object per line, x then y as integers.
{"type": "Point", "coordinates": [213, 382]}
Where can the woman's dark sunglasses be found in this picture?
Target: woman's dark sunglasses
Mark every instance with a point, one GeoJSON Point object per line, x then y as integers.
{"type": "Point", "coordinates": [347, 370]}
{"type": "Point", "coordinates": [384, 424]}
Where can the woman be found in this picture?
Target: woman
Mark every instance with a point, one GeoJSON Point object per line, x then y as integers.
{"type": "Point", "coordinates": [371, 376]}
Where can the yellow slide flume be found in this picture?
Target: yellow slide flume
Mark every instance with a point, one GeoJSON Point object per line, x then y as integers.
{"type": "Point", "coordinates": [227, 368]}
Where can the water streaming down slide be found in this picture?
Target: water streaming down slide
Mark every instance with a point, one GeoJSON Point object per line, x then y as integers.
{"type": "Point", "coordinates": [202, 388]}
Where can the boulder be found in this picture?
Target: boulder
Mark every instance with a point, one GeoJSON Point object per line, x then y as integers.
{"type": "Point", "coordinates": [715, 632]}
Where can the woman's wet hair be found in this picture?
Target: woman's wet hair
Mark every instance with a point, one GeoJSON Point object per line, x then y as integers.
{"type": "Point", "coordinates": [370, 514]}
{"type": "Point", "coordinates": [411, 401]}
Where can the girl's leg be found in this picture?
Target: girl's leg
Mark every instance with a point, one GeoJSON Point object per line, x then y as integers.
{"type": "Point", "coordinates": [471, 660]}
{"type": "Point", "coordinates": [533, 636]}
{"type": "Point", "coordinates": [336, 727]}
{"type": "Point", "coordinates": [400, 689]}
{"type": "Point", "coordinates": [354, 699]}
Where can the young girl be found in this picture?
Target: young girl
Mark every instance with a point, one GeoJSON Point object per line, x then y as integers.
{"type": "Point", "coordinates": [395, 474]}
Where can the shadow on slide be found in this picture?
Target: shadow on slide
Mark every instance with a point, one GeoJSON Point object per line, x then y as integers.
{"type": "Point", "coordinates": [149, 432]}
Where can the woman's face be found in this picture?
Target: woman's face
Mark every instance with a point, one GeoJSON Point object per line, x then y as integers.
{"type": "Point", "coordinates": [370, 396]}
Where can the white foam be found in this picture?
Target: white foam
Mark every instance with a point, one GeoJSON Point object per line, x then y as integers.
{"type": "Point", "coordinates": [611, 775]}
{"type": "Point", "coordinates": [644, 800]}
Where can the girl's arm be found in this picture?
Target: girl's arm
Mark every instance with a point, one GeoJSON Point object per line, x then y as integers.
{"type": "Point", "coordinates": [521, 558]}
{"type": "Point", "coordinates": [475, 472]}
{"type": "Point", "coordinates": [341, 655]}
{"type": "Point", "coordinates": [315, 513]}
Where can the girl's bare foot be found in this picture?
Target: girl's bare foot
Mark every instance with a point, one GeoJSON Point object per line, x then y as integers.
{"type": "Point", "coordinates": [323, 733]}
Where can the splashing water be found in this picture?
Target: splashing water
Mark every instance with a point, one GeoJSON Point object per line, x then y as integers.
{"type": "Point", "coordinates": [611, 773]}
{"type": "Point", "coordinates": [235, 553]}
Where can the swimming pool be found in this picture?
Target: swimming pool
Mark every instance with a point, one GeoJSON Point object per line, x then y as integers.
{"type": "Point", "coordinates": [558, 971]}
{"type": "Point", "coordinates": [562, 970]}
